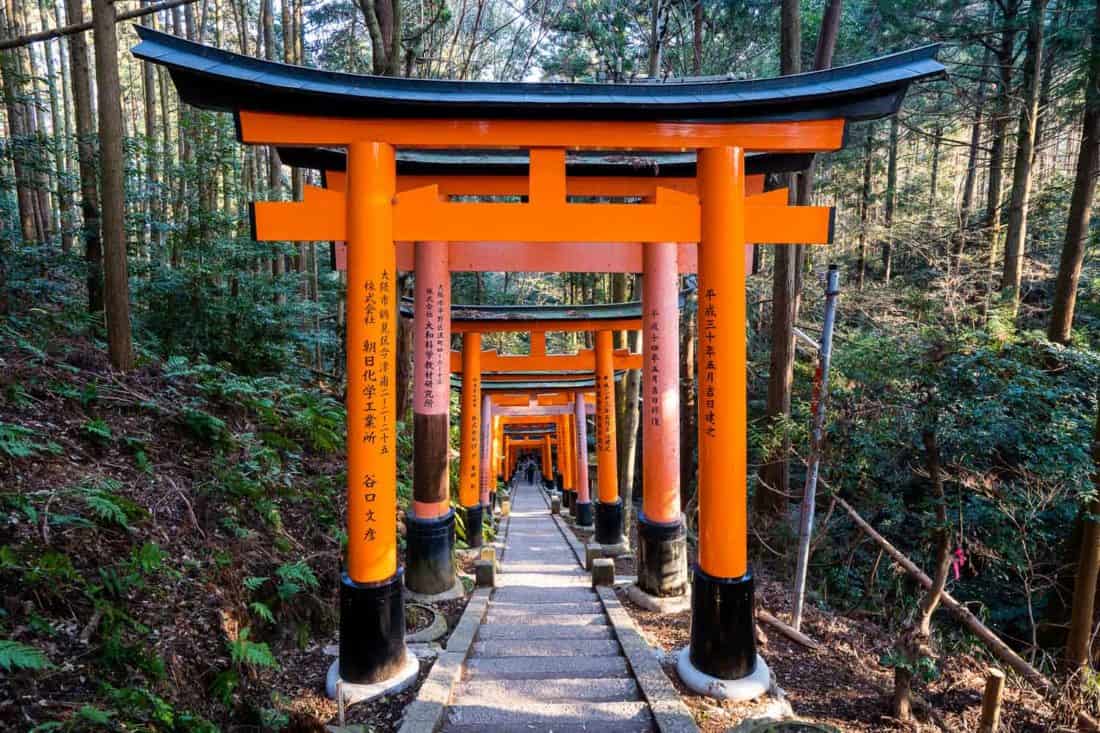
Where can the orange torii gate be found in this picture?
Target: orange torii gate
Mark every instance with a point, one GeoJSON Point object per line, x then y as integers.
{"type": "Point", "coordinates": [704, 228]}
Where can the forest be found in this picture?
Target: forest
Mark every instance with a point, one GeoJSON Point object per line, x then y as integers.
{"type": "Point", "coordinates": [172, 415]}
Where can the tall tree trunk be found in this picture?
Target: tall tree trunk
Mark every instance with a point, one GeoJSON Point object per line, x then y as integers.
{"type": "Point", "coordinates": [998, 129]}
{"type": "Point", "coordinates": [916, 640]}
{"type": "Point", "coordinates": [152, 173]}
{"type": "Point", "coordinates": [1016, 233]}
{"type": "Point", "coordinates": [11, 74]}
{"type": "Point", "coordinates": [656, 38]}
{"type": "Point", "coordinates": [64, 202]}
{"type": "Point", "coordinates": [86, 157]}
{"type": "Point", "coordinates": [891, 202]}
{"type": "Point", "coordinates": [697, 37]}
{"type": "Point", "coordinates": [969, 182]}
{"type": "Point", "coordinates": [865, 207]}
{"type": "Point", "coordinates": [116, 276]}
{"type": "Point", "coordinates": [1080, 207]}
{"type": "Point", "coordinates": [771, 498]}
{"type": "Point", "coordinates": [1079, 644]}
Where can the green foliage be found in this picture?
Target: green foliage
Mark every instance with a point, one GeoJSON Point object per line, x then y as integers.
{"type": "Point", "coordinates": [16, 656]}
{"type": "Point", "coordinates": [97, 430]}
{"type": "Point", "coordinates": [247, 653]}
{"type": "Point", "coordinates": [17, 441]}
{"type": "Point", "coordinates": [295, 577]}
{"type": "Point", "coordinates": [204, 427]}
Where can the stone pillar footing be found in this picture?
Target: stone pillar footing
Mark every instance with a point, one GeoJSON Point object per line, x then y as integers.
{"type": "Point", "coordinates": [723, 635]}
{"type": "Point", "coordinates": [658, 604]}
{"type": "Point", "coordinates": [662, 557]}
{"type": "Point", "coordinates": [429, 553]}
{"type": "Point", "coordinates": [372, 630]}
{"type": "Point", "coordinates": [755, 684]}
{"type": "Point", "coordinates": [555, 504]}
{"type": "Point", "coordinates": [474, 526]}
{"type": "Point", "coordinates": [609, 522]}
{"type": "Point", "coordinates": [583, 513]}
{"type": "Point", "coordinates": [352, 693]}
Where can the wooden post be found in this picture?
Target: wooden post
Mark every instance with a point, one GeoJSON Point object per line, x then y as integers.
{"type": "Point", "coordinates": [609, 508]}
{"type": "Point", "coordinates": [723, 641]}
{"type": "Point", "coordinates": [583, 509]}
{"type": "Point", "coordinates": [469, 459]}
{"type": "Point", "coordinates": [372, 612]}
{"type": "Point", "coordinates": [662, 548]}
{"type": "Point", "coordinates": [486, 450]}
{"type": "Point", "coordinates": [429, 548]}
{"type": "Point", "coordinates": [991, 701]}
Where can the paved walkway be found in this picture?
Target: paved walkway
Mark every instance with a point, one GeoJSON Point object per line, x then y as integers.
{"type": "Point", "coordinates": [545, 658]}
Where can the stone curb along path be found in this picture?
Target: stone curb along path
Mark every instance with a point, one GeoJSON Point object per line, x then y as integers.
{"type": "Point", "coordinates": [544, 651]}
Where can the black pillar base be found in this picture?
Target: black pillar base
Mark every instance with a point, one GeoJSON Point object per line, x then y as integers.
{"type": "Point", "coordinates": [558, 483]}
{"type": "Point", "coordinates": [429, 554]}
{"type": "Point", "coordinates": [662, 557]}
{"type": "Point", "coordinates": [492, 502]}
{"type": "Point", "coordinates": [609, 523]}
{"type": "Point", "coordinates": [723, 641]}
{"type": "Point", "coordinates": [372, 629]}
{"type": "Point", "coordinates": [474, 526]}
{"type": "Point", "coordinates": [582, 512]}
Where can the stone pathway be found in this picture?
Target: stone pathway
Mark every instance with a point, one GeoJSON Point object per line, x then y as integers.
{"type": "Point", "coordinates": [546, 657]}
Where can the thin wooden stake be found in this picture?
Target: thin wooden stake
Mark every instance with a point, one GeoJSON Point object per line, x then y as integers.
{"type": "Point", "coordinates": [991, 701]}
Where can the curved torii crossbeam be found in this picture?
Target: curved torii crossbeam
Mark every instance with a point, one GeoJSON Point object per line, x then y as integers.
{"type": "Point", "coordinates": [373, 117]}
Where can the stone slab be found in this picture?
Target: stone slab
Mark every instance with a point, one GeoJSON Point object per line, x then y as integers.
{"type": "Point", "coordinates": [546, 648]}
{"type": "Point", "coordinates": [543, 668]}
{"type": "Point", "coordinates": [547, 716]}
{"type": "Point", "coordinates": [489, 632]}
{"type": "Point", "coordinates": [567, 690]}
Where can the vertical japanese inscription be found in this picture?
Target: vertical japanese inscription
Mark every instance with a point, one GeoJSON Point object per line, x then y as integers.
{"type": "Point", "coordinates": [709, 324]}
{"type": "Point", "coordinates": [654, 376]}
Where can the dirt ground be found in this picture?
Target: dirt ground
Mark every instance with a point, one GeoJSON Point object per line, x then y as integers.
{"type": "Point", "coordinates": [842, 685]}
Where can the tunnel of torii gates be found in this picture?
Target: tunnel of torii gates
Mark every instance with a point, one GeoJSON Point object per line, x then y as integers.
{"type": "Point", "coordinates": [430, 184]}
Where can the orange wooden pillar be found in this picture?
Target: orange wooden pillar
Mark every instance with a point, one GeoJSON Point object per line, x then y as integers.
{"type": "Point", "coordinates": [559, 446]}
{"type": "Point", "coordinates": [430, 531]}
{"type": "Point", "coordinates": [662, 547]}
{"type": "Point", "coordinates": [485, 469]}
{"type": "Point", "coordinates": [469, 490]}
{"type": "Point", "coordinates": [582, 510]}
{"type": "Point", "coordinates": [546, 466]}
{"type": "Point", "coordinates": [723, 642]}
{"type": "Point", "coordinates": [568, 473]}
{"type": "Point", "coordinates": [372, 611]}
{"type": "Point", "coordinates": [609, 507]}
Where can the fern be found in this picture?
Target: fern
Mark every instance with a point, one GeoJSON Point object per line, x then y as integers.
{"type": "Point", "coordinates": [103, 505]}
{"type": "Point", "coordinates": [244, 651]}
{"type": "Point", "coordinates": [297, 572]}
{"type": "Point", "coordinates": [254, 582]}
{"type": "Point", "coordinates": [14, 655]}
{"type": "Point", "coordinates": [97, 430]}
{"type": "Point", "coordinates": [262, 611]}
{"type": "Point", "coordinates": [17, 441]}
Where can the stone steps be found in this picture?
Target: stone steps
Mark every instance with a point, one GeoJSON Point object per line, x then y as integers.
{"type": "Point", "coordinates": [529, 632]}
{"type": "Point", "coordinates": [503, 717]}
{"type": "Point", "coordinates": [610, 690]}
{"type": "Point", "coordinates": [545, 657]}
{"type": "Point", "coordinates": [547, 648]}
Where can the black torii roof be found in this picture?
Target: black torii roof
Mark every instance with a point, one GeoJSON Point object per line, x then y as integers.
{"type": "Point", "coordinates": [578, 164]}
{"type": "Point", "coordinates": [545, 384]}
{"type": "Point", "coordinates": [212, 78]}
{"type": "Point", "coordinates": [537, 313]}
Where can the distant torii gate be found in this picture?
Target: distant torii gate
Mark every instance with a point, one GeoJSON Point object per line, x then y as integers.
{"type": "Point", "coordinates": [721, 121]}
